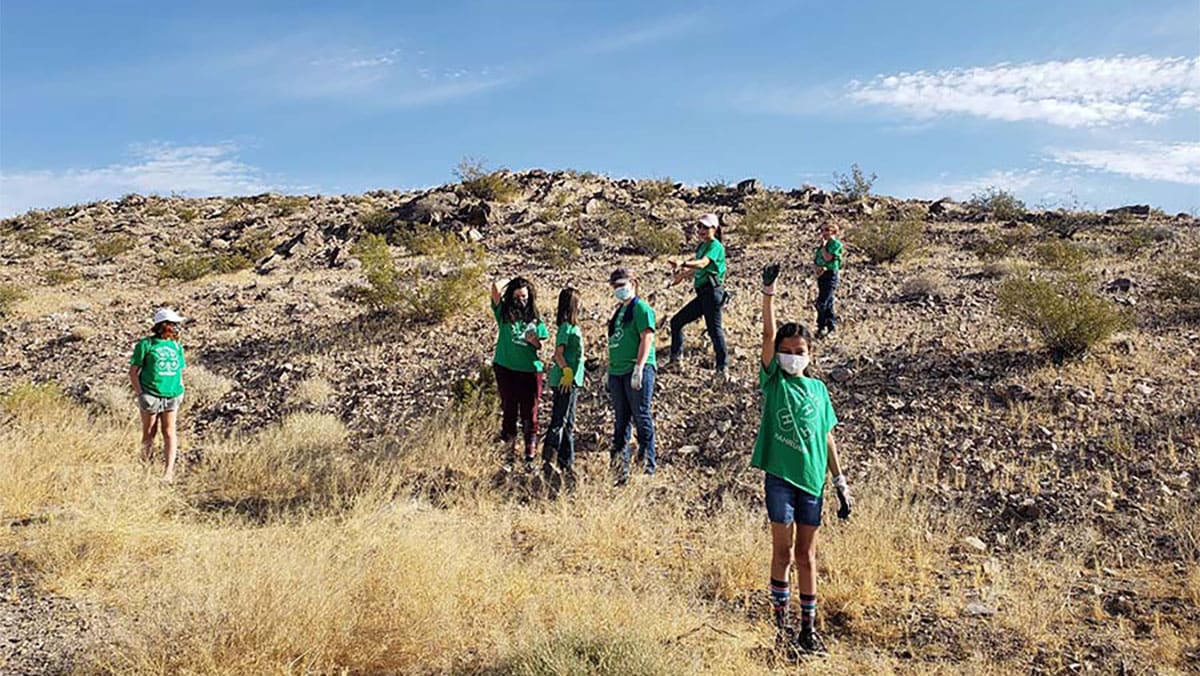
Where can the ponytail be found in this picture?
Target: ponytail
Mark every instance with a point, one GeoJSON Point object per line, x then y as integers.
{"type": "Point", "coordinates": [721, 234]}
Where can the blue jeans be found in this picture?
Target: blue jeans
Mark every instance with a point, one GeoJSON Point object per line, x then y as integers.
{"type": "Point", "coordinates": [631, 406]}
{"type": "Point", "coordinates": [707, 304]}
{"type": "Point", "coordinates": [827, 283]}
{"type": "Point", "coordinates": [560, 439]}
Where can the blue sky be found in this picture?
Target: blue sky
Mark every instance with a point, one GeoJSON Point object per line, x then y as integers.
{"type": "Point", "coordinates": [1090, 103]}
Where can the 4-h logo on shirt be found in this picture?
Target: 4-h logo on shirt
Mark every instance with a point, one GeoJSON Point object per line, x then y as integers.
{"type": "Point", "coordinates": [615, 338]}
{"type": "Point", "coordinates": [518, 332]}
{"type": "Point", "coordinates": [787, 422]}
{"type": "Point", "coordinates": [166, 360]}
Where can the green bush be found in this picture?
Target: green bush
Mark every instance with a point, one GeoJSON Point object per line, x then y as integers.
{"type": "Point", "coordinates": [997, 244]}
{"type": "Point", "coordinates": [426, 240]}
{"type": "Point", "coordinates": [187, 214]}
{"type": "Point", "coordinates": [377, 221]}
{"type": "Point", "coordinates": [61, 275]}
{"type": "Point", "coordinates": [1179, 279]}
{"type": "Point", "coordinates": [1061, 255]}
{"type": "Point", "coordinates": [185, 268]}
{"type": "Point", "coordinates": [478, 182]}
{"type": "Point", "coordinates": [478, 388]}
{"type": "Point", "coordinates": [656, 240]}
{"type": "Point", "coordinates": [763, 211]}
{"type": "Point", "coordinates": [588, 654]}
{"type": "Point", "coordinates": [998, 203]}
{"type": "Point", "coordinates": [1141, 237]}
{"type": "Point", "coordinates": [250, 247]}
{"type": "Point", "coordinates": [111, 247]}
{"type": "Point", "coordinates": [423, 293]}
{"type": "Point", "coordinates": [286, 206]}
{"type": "Point", "coordinates": [559, 248]}
{"type": "Point", "coordinates": [882, 241]}
{"type": "Point", "coordinates": [10, 295]}
{"type": "Point", "coordinates": [1070, 318]}
{"type": "Point", "coordinates": [623, 223]}
{"type": "Point", "coordinates": [855, 185]}
{"type": "Point", "coordinates": [656, 190]}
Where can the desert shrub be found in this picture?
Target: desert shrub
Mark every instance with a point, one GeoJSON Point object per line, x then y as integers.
{"type": "Point", "coordinates": [882, 241]}
{"type": "Point", "coordinates": [1179, 279]}
{"type": "Point", "coordinates": [303, 456]}
{"type": "Point", "coordinates": [312, 391]}
{"type": "Point", "coordinates": [997, 244]}
{"type": "Point", "coordinates": [286, 206]}
{"type": "Point", "coordinates": [655, 240]}
{"type": "Point", "coordinates": [1069, 317]}
{"type": "Point", "coordinates": [115, 245]}
{"type": "Point", "coordinates": [855, 185]}
{"type": "Point", "coordinates": [1061, 255]}
{"type": "Point", "coordinates": [254, 245]}
{"type": "Point", "coordinates": [427, 292]}
{"type": "Point", "coordinates": [588, 654]}
{"type": "Point", "coordinates": [1067, 224]}
{"type": "Point", "coordinates": [185, 268]}
{"type": "Point", "coordinates": [29, 229]}
{"type": "Point", "coordinates": [155, 209]}
{"type": "Point", "coordinates": [61, 275]}
{"type": "Point", "coordinates": [377, 221]}
{"type": "Point", "coordinates": [656, 190]}
{"type": "Point", "coordinates": [923, 286]}
{"type": "Point", "coordinates": [1138, 238]}
{"type": "Point", "coordinates": [623, 223]}
{"type": "Point", "coordinates": [998, 203]}
{"type": "Point", "coordinates": [476, 389]}
{"type": "Point", "coordinates": [203, 388]}
{"type": "Point", "coordinates": [10, 295]}
{"type": "Point", "coordinates": [997, 269]}
{"type": "Point", "coordinates": [187, 214]}
{"type": "Point", "coordinates": [426, 240]}
{"type": "Point", "coordinates": [763, 210]}
{"type": "Point", "coordinates": [559, 248]}
{"type": "Point", "coordinates": [479, 182]}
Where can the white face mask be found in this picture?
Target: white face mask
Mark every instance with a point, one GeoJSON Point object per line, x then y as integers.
{"type": "Point", "coordinates": [793, 364]}
{"type": "Point", "coordinates": [623, 293]}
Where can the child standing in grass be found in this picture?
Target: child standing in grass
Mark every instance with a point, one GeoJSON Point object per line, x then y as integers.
{"type": "Point", "coordinates": [828, 258]}
{"type": "Point", "coordinates": [156, 375]}
{"type": "Point", "coordinates": [566, 376]}
{"type": "Point", "coordinates": [518, 367]}
{"type": "Point", "coordinates": [795, 447]}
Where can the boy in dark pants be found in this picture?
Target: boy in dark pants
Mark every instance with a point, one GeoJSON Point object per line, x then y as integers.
{"type": "Point", "coordinates": [566, 376]}
{"type": "Point", "coordinates": [828, 258]}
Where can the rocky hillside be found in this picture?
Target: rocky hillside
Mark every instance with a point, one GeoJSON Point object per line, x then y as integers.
{"type": "Point", "coordinates": [926, 374]}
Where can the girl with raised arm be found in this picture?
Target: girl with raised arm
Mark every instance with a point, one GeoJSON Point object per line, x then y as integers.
{"type": "Point", "coordinates": [795, 448]}
{"type": "Point", "coordinates": [518, 367]}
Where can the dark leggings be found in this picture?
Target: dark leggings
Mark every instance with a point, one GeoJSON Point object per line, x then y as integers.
{"type": "Point", "coordinates": [707, 304]}
{"type": "Point", "coordinates": [519, 395]}
{"type": "Point", "coordinates": [827, 283]}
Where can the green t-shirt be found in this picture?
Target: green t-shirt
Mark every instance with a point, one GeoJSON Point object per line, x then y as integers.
{"type": "Point", "coordinates": [162, 366]}
{"type": "Point", "coordinates": [571, 338]}
{"type": "Point", "coordinates": [512, 350]}
{"type": "Point", "coordinates": [715, 270]}
{"type": "Point", "coordinates": [835, 249]}
{"type": "Point", "coordinates": [793, 434]}
{"type": "Point", "coordinates": [623, 342]}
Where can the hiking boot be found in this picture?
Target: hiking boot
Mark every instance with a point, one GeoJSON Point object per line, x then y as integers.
{"type": "Point", "coordinates": [810, 642]}
{"type": "Point", "coordinates": [529, 463]}
{"type": "Point", "coordinates": [787, 644]}
{"type": "Point", "coordinates": [721, 377]}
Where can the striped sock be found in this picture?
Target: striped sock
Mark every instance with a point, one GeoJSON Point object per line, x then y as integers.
{"type": "Point", "coordinates": [808, 611]}
{"type": "Point", "coordinates": [779, 600]}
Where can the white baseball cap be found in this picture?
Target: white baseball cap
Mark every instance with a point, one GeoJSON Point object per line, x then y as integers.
{"type": "Point", "coordinates": [710, 221]}
{"type": "Point", "coordinates": [166, 314]}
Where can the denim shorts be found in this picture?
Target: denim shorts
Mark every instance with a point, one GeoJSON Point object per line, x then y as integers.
{"type": "Point", "coordinates": [787, 503]}
{"type": "Point", "coordinates": [154, 405]}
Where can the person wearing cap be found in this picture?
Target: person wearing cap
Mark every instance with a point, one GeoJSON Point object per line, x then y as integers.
{"type": "Point", "coordinates": [517, 364]}
{"type": "Point", "coordinates": [707, 270]}
{"type": "Point", "coordinates": [156, 374]}
{"type": "Point", "coordinates": [631, 371]}
{"type": "Point", "coordinates": [828, 257]}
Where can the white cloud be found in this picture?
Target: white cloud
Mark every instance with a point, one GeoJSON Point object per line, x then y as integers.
{"type": "Point", "coordinates": [1174, 162]}
{"type": "Point", "coordinates": [1078, 93]}
{"type": "Point", "coordinates": [161, 168]}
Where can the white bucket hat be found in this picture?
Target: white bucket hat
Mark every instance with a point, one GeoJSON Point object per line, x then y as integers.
{"type": "Point", "coordinates": [166, 314]}
{"type": "Point", "coordinates": [710, 221]}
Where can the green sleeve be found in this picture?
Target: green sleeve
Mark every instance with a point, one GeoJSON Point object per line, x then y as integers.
{"type": "Point", "coordinates": [830, 416]}
{"type": "Point", "coordinates": [139, 354]}
{"type": "Point", "coordinates": [542, 332]}
{"type": "Point", "coordinates": [765, 372]}
{"type": "Point", "coordinates": [716, 252]}
{"type": "Point", "coordinates": [643, 317]}
{"type": "Point", "coordinates": [835, 249]}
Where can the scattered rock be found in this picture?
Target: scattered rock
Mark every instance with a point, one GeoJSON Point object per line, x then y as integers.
{"type": "Point", "coordinates": [1083, 396]}
{"type": "Point", "coordinates": [1120, 284]}
{"type": "Point", "coordinates": [977, 609]}
{"type": "Point", "coordinates": [1130, 210]}
{"type": "Point", "coordinates": [972, 544]}
{"type": "Point", "coordinates": [749, 186]}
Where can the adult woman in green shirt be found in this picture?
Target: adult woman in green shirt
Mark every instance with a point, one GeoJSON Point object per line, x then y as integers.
{"type": "Point", "coordinates": [795, 447]}
{"type": "Point", "coordinates": [707, 270]}
{"type": "Point", "coordinates": [520, 332]}
{"type": "Point", "coordinates": [156, 375]}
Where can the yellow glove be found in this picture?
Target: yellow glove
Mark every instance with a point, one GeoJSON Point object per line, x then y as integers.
{"type": "Point", "coordinates": [568, 378]}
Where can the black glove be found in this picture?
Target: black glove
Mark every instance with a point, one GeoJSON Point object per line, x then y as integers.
{"type": "Point", "coordinates": [770, 273]}
{"type": "Point", "coordinates": [846, 502]}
